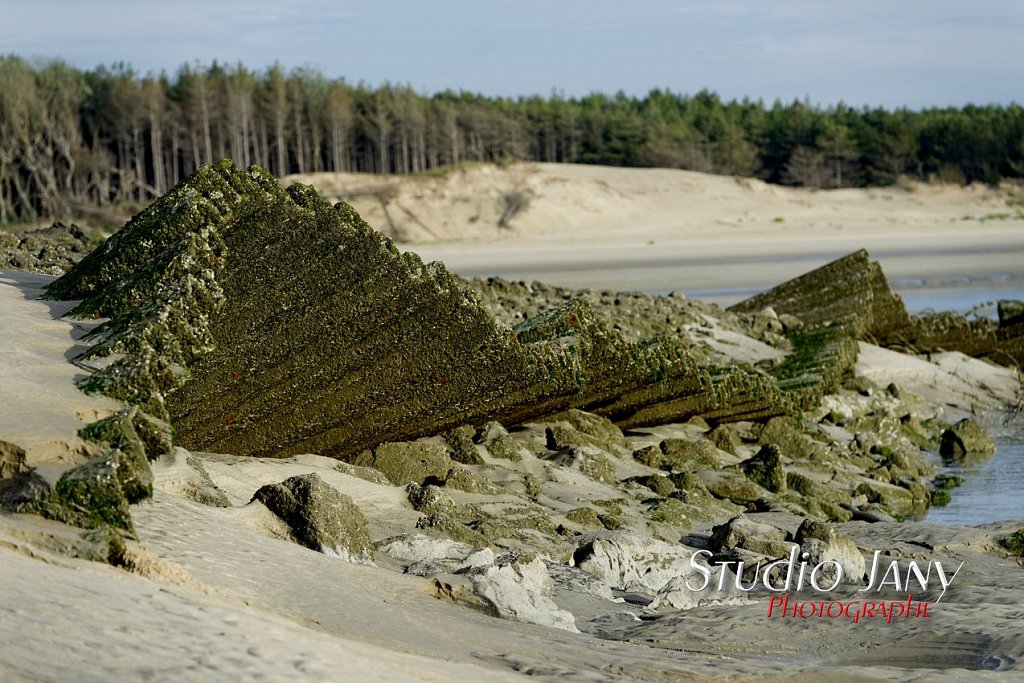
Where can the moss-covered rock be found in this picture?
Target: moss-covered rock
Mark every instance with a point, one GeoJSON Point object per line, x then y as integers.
{"type": "Point", "coordinates": [430, 500]}
{"type": "Point", "coordinates": [464, 450]}
{"type": "Point", "coordinates": [765, 468]}
{"type": "Point", "coordinates": [462, 479]}
{"type": "Point", "coordinates": [118, 432]}
{"type": "Point", "coordinates": [89, 495]}
{"type": "Point", "coordinates": [660, 485]}
{"type": "Point", "coordinates": [319, 516]}
{"type": "Point", "coordinates": [724, 439]}
{"type": "Point", "coordinates": [585, 517]}
{"type": "Point", "coordinates": [507, 448]}
{"type": "Point", "coordinates": [669, 511]}
{"type": "Point", "coordinates": [588, 461]}
{"type": "Point", "coordinates": [1014, 543]}
{"type": "Point", "coordinates": [966, 441]}
{"type": "Point", "coordinates": [408, 461]}
{"type": "Point", "coordinates": [650, 456]}
{"type": "Point", "coordinates": [687, 454]}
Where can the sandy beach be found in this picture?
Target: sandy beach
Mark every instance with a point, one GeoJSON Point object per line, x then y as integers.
{"type": "Point", "coordinates": [559, 548]}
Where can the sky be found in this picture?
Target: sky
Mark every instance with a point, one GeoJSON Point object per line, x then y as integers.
{"type": "Point", "coordinates": [890, 53]}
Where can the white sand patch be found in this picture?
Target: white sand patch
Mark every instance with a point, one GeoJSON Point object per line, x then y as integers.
{"type": "Point", "coordinates": [41, 409]}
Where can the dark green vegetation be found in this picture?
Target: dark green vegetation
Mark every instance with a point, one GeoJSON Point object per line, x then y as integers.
{"type": "Point", "coordinates": [76, 141]}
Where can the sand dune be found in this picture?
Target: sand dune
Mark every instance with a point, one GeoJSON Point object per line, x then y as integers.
{"type": "Point", "coordinates": [715, 237]}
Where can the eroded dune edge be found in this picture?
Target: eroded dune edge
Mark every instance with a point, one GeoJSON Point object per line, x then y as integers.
{"type": "Point", "coordinates": [297, 437]}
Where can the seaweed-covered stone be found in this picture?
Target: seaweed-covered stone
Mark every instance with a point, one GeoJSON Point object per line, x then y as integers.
{"type": "Point", "coordinates": [118, 432]}
{"type": "Point", "coordinates": [649, 455]}
{"type": "Point", "coordinates": [589, 461]}
{"type": "Point", "coordinates": [966, 440]}
{"type": "Point", "coordinates": [850, 291]}
{"type": "Point", "coordinates": [724, 439]}
{"type": "Point", "coordinates": [464, 450]}
{"type": "Point", "coordinates": [790, 438]}
{"type": "Point", "coordinates": [687, 454]}
{"type": "Point", "coordinates": [266, 322]}
{"type": "Point", "coordinates": [669, 511]}
{"type": "Point", "coordinates": [1014, 543]}
{"type": "Point", "coordinates": [462, 479]}
{"type": "Point", "coordinates": [430, 499]}
{"type": "Point", "coordinates": [560, 436]}
{"type": "Point", "coordinates": [408, 461]}
{"type": "Point", "coordinates": [585, 517]}
{"type": "Point", "coordinates": [742, 532]}
{"type": "Point", "coordinates": [765, 468]}
{"type": "Point", "coordinates": [89, 495]}
{"type": "Point", "coordinates": [596, 426]}
{"type": "Point", "coordinates": [661, 485]}
{"type": "Point", "coordinates": [507, 448]}
{"type": "Point", "coordinates": [823, 544]}
{"type": "Point", "coordinates": [319, 516]}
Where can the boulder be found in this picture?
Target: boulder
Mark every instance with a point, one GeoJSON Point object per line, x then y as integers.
{"type": "Point", "coordinates": [686, 454]}
{"type": "Point", "coordinates": [823, 543]}
{"type": "Point", "coordinates": [89, 495]}
{"type": "Point", "coordinates": [519, 587]}
{"type": "Point", "coordinates": [464, 450]}
{"type": "Point", "coordinates": [319, 516]}
{"type": "Point", "coordinates": [966, 441]}
{"type": "Point", "coordinates": [588, 461]}
{"type": "Point", "coordinates": [632, 562]}
{"type": "Point", "coordinates": [765, 469]}
{"type": "Point", "coordinates": [408, 461]}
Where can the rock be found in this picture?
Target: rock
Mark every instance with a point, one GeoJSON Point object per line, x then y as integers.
{"type": "Point", "coordinates": [12, 460]}
{"type": "Point", "coordinates": [560, 436]}
{"type": "Point", "coordinates": [585, 517]}
{"type": "Point", "coordinates": [684, 454]}
{"type": "Point", "coordinates": [319, 516]}
{"type": "Point", "coordinates": [463, 480]}
{"type": "Point", "coordinates": [743, 532]}
{"type": "Point", "coordinates": [823, 543]}
{"type": "Point", "coordinates": [453, 529]}
{"type": "Point", "coordinates": [607, 435]}
{"type": "Point", "coordinates": [412, 548]}
{"type": "Point", "coordinates": [966, 440]}
{"type": "Point", "coordinates": [507, 448]}
{"type": "Point", "coordinates": [19, 483]}
{"type": "Point", "coordinates": [364, 473]}
{"type": "Point", "coordinates": [118, 432]}
{"type": "Point", "coordinates": [669, 511]}
{"type": "Point", "coordinates": [589, 461]}
{"type": "Point", "coordinates": [490, 432]}
{"type": "Point", "coordinates": [659, 484]}
{"type": "Point", "coordinates": [519, 587]}
{"type": "Point", "coordinates": [89, 495]}
{"type": "Point", "coordinates": [408, 461]}
{"type": "Point", "coordinates": [849, 291]}
{"type": "Point", "coordinates": [765, 468]}
{"type": "Point", "coordinates": [632, 562]}
{"type": "Point", "coordinates": [464, 450]}
{"type": "Point", "coordinates": [650, 456]}
{"type": "Point", "coordinates": [677, 594]}
{"type": "Point", "coordinates": [733, 486]}
{"type": "Point", "coordinates": [430, 500]}
{"type": "Point", "coordinates": [724, 439]}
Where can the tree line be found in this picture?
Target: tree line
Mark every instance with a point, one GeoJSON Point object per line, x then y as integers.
{"type": "Point", "coordinates": [72, 139]}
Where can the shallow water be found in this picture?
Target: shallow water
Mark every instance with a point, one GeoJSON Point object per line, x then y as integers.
{"type": "Point", "coordinates": [991, 492]}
